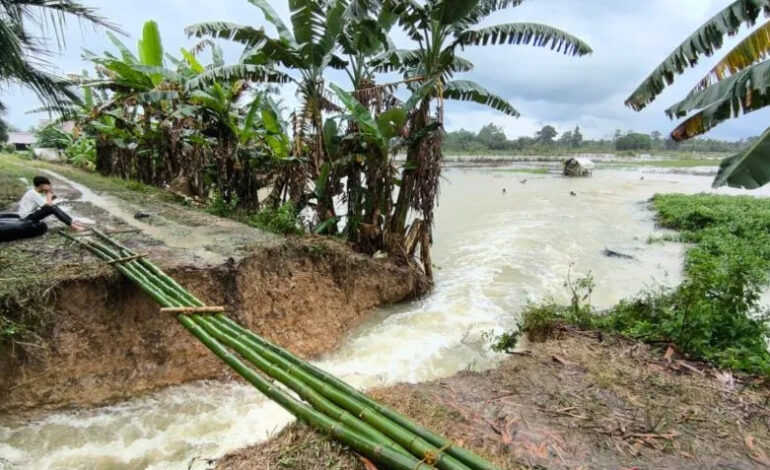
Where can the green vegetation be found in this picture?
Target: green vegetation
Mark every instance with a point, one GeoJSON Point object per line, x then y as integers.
{"type": "Point", "coordinates": [282, 220]}
{"type": "Point", "coordinates": [213, 130]}
{"type": "Point", "coordinates": [491, 140]}
{"type": "Point", "coordinates": [633, 141]}
{"type": "Point", "coordinates": [736, 85]}
{"type": "Point", "coordinates": [714, 315]}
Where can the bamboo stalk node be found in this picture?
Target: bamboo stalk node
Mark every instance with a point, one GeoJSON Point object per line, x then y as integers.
{"type": "Point", "coordinates": [181, 310]}
{"type": "Point", "coordinates": [127, 258]}
{"type": "Point", "coordinates": [431, 458]}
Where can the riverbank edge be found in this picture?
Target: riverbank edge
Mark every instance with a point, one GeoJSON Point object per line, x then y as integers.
{"type": "Point", "coordinates": [582, 399]}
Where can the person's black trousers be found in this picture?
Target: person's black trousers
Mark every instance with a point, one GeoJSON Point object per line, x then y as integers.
{"type": "Point", "coordinates": [45, 211]}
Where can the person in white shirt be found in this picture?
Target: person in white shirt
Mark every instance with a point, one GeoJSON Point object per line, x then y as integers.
{"type": "Point", "coordinates": [37, 204]}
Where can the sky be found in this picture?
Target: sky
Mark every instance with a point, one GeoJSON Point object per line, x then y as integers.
{"type": "Point", "coordinates": [629, 38]}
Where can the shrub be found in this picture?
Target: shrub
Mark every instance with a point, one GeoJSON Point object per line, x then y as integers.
{"type": "Point", "coordinates": [82, 152]}
{"type": "Point", "coordinates": [221, 206]}
{"type": "Point", "coordinates": [282, 220]}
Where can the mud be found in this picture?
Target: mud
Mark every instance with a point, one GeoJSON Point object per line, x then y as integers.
{"type": "Point", "coordinates": [103, 339]}
{"type": "Point", "coordinates": [584, 401]}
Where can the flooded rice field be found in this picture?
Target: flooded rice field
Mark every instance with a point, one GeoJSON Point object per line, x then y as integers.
{"type": "Point", "coordinates": [502, 239]}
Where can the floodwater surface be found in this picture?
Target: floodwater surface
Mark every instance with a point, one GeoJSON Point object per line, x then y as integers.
{"type": "Point", "coordinates": [494, 251]}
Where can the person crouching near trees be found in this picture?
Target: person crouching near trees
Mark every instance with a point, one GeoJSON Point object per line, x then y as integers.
{"type": "Point", "coordinates": [37, 204]}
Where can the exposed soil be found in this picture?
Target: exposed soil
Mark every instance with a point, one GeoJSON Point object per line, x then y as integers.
{"type": "Point", "coordinates": [581, 402]}
{"type": "Point", "coordinates": [93, 337]}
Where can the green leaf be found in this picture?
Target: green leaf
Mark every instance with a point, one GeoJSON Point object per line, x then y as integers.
{"type": "Point", "coordinates": [466, 90]}
{"type": "Point", "coordinates": [192, 61]}
{"type": "Point", "coordinates": [360, 114]}
{"type": "Point", "coordinates": [151, 49]}
{"type": "Point", "coordinates": [451, 11]}
{"type": "Point", "coordinates": [743, 92]}
{"type": "Point", "coordinates": [754, 48]}
{"type": "Point", "coordinates": [750, 169]}
{"type": "Point", "coordinates": [330, 137]}
{"type": "Point", "coordinates": [326, 224]}
{"type": "Point", "coordinates": [270, 121]}
{"type": "Point", "coordinates": [703, 42]}
{"type": "Point", "coordinates": [391, 122]}
{"type": "Point", "coordinates": [323, 177]}
{"type": "Point", "coordinates": [274, 19]}
{"type": "Point", "coordinates": [539, 35]}
{"type": "Point", "coordinates": [125, 52]}
{"type": "Point", "coordinates": [228, 73]}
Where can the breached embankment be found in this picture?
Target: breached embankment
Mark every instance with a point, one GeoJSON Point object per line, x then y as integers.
{"type": "Point", "coordinates": [94, 338]}
{"type": "Point", "coordinates": [105, 340]}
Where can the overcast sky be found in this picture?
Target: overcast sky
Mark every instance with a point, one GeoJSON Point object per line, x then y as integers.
{"type": "Point", "coordinates": [629, 38]}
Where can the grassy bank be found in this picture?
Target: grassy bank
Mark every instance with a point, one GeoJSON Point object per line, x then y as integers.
{"type": "Point", "coordinates": [715, 314]}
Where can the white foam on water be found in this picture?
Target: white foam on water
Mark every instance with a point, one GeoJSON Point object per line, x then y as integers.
{"type": "Point", "coordinates": [494, 254]}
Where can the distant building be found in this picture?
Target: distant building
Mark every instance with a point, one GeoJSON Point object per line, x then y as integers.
{"type": "Point", "coordinates": [21, 140]}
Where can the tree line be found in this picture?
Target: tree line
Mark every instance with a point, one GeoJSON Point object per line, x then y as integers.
{"type": "Point", "coordinates": [191, 121]}
{"type": "Point", "coordinates": [492, 139]}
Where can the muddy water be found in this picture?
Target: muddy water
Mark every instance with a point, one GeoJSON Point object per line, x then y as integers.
{"type": "Point", "coordinates": [494, 252]}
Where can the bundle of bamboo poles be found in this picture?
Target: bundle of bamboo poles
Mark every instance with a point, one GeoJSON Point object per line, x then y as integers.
{"type": "Point", "coordinates": [325, 402]}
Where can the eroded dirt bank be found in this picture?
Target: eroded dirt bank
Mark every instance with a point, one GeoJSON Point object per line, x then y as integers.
{"type": "Point", "coordinates": [582, 402]}
{"type": "Point", "coordinates": [104, 339]}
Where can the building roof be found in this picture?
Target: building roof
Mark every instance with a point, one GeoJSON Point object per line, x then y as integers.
{"type": "Point", "coordinates": [25, 138]}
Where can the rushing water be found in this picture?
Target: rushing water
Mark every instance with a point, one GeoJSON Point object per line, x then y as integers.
{"type": "Point", "coordinates": [495, 252]}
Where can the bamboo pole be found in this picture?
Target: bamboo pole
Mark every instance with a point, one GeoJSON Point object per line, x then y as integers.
{"type": "Point", "coordinates": [307, 393]}
{"type": "Point", "coordinates": [466, 456]}
{"type": "Point", "coordinates": [415, 444]}
{"type": "Point", "coordinates": [370, 449]}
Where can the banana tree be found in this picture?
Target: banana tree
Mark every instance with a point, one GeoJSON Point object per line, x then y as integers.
{"type": "Point", "coordinates": [440, 28]}
{"type": "Point", "coordinates": [368, 144]}
{"type": "Point", "coordinates": [309, 49]}
{"type": "Point", "coordinates": [736, 85]}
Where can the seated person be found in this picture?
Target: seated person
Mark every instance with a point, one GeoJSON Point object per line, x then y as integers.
{"type": "Point", "coordinates": [37, 204]}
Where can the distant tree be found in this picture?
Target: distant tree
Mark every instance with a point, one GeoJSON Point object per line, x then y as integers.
{"type": "Point", "coordinates": [577, 137]}
{"type": "Point", "coordinates": [493, 137]}
{"type": "Point", "coordinates": [546, 135]}
{"type": "Point", "coordinates": [618, 134]}
{"type": "Point", "coordinates": [633, 141]}
{"type": "Point", "coordinates": [656, 135]}
{"type": "Point", "coordinates": [3, 131]}
{"type": "Point", "coordinates": [672, 144]}
{"type": "Point", "coordinates": [566, 139]}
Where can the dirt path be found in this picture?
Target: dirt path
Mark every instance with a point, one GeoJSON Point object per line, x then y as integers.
{"type": "Point", "coordinates": [578, 403]}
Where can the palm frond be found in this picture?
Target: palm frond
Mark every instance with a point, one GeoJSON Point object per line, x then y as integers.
{"type": "Point", "coordinates": [739, 90]}
{"type": "Point", "coordinates": [753, 49]}
{"type": "Point", "coordinates": [275, 20]}
{"type": "Point", "coordinates": [749, 169]}
{"type": "Point", "coordinates": [485, 8]}
{"type": "Point", "coordinates": [466, 90]}
{"type": "Point", "coordinates": [703, 42]}
{"type": "Point", "coordinates": [227, 73]}
{"type": "Point", "coordinates": [243, 34]}
{"type": "Point", "coordinates": [539, 35]}
{"type": "Point", "coordinates": [411, 15]}
{"type": "Point", "coordinates": [125, 52]}
{"type": "Point", "coordinates": [396, 59]}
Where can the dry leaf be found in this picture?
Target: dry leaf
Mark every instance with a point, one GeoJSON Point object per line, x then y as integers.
{"type": "Point", "coordinates": [368, 463]}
